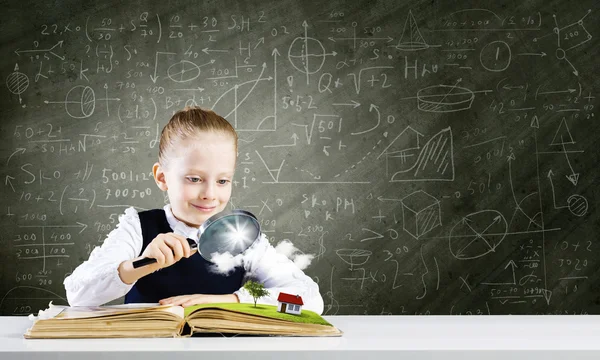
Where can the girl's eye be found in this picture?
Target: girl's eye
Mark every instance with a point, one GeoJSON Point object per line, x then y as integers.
{"type": "Point", "coordinates": [223, 182]}
{"type": "Point", "coordinates": [194, 179]}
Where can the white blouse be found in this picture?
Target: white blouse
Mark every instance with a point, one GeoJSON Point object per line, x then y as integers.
{"type": "Point", "coordinates": [96, 281]}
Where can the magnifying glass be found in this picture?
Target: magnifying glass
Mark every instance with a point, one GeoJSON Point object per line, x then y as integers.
{"type": "Point", "coordinates": [230, 231]}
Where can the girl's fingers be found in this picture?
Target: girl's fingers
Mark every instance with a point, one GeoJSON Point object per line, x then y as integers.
{"type": "Point", "coordinates": [158, 255]}
{"type": "Point", "coordinates": [192, 300]}
{"type": "Point", "coordinates": [168, 249]}
{"type": "Point", "coordinates": [184, 244]}
{"type": "Point", "coordinates": [176, 247]}
{"type": "Point", "coordinates": [170, 299]}
{"type": "Point", "coordinates": [180, 301]}
{"type": "Point", "coordinates": [167, 253]}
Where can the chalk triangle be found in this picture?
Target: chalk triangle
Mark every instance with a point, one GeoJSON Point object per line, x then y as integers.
{"type": "Point", "coordinates": [563, 134]}
{"type": "Point", "coordinates": [535, 123]}
{"type": "Point", "coordinates": [573, 178]}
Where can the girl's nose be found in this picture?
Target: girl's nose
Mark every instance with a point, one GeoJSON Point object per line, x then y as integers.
{"type": "Point", "coordinates": [208, 191]}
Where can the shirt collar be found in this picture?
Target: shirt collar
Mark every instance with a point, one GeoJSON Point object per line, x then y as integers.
{"type": "Point", "coordinates": [180, 227]}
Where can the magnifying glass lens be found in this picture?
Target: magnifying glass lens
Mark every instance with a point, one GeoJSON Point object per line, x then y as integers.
{"type": "Point", "coordinates": [232, 233]}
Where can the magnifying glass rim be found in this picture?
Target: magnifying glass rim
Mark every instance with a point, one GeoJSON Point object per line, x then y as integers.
{"type": "Point", "coordinates": [225, 213]}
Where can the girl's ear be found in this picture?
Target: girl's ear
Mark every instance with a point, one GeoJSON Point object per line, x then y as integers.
{"type": "Point", "coordinates": [159, 176]}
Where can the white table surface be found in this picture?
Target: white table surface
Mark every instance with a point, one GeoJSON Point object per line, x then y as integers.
{"type": "Point", "coordinates": [365, 337]}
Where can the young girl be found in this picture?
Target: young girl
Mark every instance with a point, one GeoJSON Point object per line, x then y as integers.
{"type": "Point", "coordinates": [196, 164]}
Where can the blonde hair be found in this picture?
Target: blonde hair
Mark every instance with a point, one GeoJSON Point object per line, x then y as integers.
{"type": "Point", "coordinates": [188, 122]}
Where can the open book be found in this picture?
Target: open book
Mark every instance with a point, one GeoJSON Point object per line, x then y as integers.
{"type": "Point", "coordinates": [153, 320]}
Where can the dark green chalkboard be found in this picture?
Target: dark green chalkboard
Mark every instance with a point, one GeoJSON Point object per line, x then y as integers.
{"type": "Point", "coordinates": [437, 157]}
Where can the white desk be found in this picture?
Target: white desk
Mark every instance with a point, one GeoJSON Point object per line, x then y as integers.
{"type": "Point", "coordinates": [365, 337]}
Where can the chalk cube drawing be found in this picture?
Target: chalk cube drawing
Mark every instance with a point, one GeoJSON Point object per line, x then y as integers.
{"type": "Point", "coordinates": [420, 213]}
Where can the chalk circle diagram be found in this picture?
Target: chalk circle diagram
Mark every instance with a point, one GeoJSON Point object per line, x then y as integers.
{"type": "Point", "coordinates": [354, 257]}
{"type": "Point", "coordinates": [80, 102]}
{"type": "Point", "coordinates": [17, 82]}
{"type": "Point", "coordinates": [445, 98]}
{"type": "Point", "coordinates": [477, 234]}
{"type": "Point", "coordinates": [303, 52]}
{"type": "Point", "coordinates": [578, 205]}
{"type": "Point", "coordinates": [495, 56]}
{"type": "Point", "coordinates": [183, 71]}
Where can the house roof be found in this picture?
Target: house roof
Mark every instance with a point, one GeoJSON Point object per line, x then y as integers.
{"type": "Point", "coordinates": [289, 298]}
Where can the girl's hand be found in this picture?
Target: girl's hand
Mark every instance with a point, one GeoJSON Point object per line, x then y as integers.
{"type": "Point", "coordinates": [189, 300]}
{"type": "Point", "coordinates": [167, 249]}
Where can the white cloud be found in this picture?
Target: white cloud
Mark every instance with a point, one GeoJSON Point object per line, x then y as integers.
{"type": "Point", "coordinates": [225, 263]}
{"type": "Point", "coordinates": [288, 249]}
{"type": "Point", "coordinates": [303, 260]}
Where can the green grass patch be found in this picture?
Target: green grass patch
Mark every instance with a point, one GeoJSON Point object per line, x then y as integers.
{"type": "Point", "coordinates": [306, 316]}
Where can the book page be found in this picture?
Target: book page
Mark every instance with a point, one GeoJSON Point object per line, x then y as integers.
{"type": "Point", "coordinates": [78, 312]}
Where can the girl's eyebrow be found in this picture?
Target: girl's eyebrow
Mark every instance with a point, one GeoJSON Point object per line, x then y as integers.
{"type": "Point", "coordinates": [225, 173]}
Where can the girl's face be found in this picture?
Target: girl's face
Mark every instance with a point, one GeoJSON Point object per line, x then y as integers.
{"type": "Point", "coordinates": [198, 176]}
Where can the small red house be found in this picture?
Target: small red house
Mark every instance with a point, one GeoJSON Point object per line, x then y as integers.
{"type": "Point", "coordinates": [288, 303]}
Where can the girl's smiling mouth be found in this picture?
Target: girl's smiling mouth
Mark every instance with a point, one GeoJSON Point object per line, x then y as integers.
{"type": "Point", "coordinates": [204, 209]}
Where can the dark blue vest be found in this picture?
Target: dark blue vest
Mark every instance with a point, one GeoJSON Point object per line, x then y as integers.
{"type": "Point", "coordinates": [187, 276]}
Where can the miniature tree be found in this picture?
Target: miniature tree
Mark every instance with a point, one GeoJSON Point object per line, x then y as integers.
{"type": "Point", "coordinates": [256, 290]}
